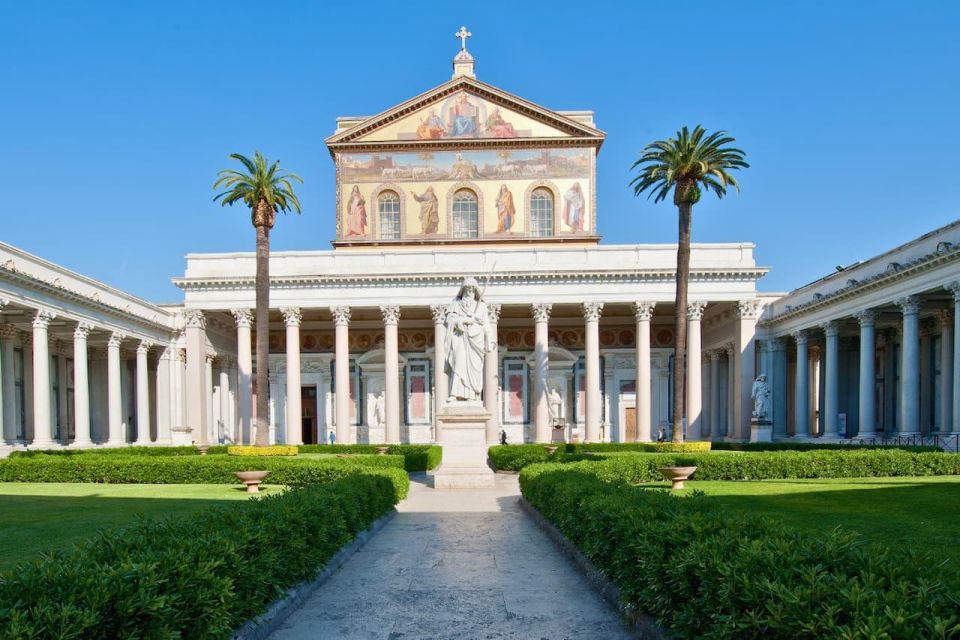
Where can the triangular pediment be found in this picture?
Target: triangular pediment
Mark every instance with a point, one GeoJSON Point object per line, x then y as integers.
{"type": "Point", "coordinates": [464, 109]}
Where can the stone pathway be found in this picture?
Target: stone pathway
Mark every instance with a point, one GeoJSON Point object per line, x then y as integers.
{"type": "Point", "coordinates": [456, 564]}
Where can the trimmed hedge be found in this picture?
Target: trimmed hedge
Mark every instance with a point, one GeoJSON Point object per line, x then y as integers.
{"type": "Point", "coordinates": [417, 457]}
{"type": "Point", "coordinates": [642, 467]}
{"type": "Point", "coordinates": [811, 446]}
{"type": "Point", "coordinates": [698, 446]}
{"type": "Point", "coordinates": [198, 576]}
{"type": "Point", "coordinates": [705, 572]}
{"type": "Point", "coordinates": [730, 465]}
{"type": "Point", "coordinates": [160, 452]}
{"type": "Point", "coordinates": [187, 469]}
{"type": "Point", "coordinates": [272, 450]}
{"type": "Point", "coordinates": [513, 457]}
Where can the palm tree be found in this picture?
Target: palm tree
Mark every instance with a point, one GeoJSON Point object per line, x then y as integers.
{"type": "Point", "coordinates": [266, 190]}
{"type": "Point", "coordinates": [686, 164]}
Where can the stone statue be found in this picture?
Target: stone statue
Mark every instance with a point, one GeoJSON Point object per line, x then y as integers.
{"type": "Point", "coordinates": [555, 402]}
{"type": "Point", "coordinates": [379, 409]}
{"type": "Point", "coordinates": [468, 339]}
{"type": "Point", "coordinates": [761, 398]}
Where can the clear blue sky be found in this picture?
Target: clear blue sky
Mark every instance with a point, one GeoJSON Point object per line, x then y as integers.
{"type": "Point", "coordinates": [116, 116]}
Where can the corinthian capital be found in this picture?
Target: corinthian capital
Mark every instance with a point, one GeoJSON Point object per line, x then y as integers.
{"type": "Point", "coordinates": [391, 314]}
{"type": "Point", "coordinates": [909, 305]}
{"type": "Point", "coordinates": [695, 309]}
{"type": "Point", "coordinates": [643, 311]}
{"type": "Point", "coordinates": [42, 318]}
{"type": "Point", "coordinates": [592, 311]}
{"type": "Point", "coordinates": [82, 331]}
{"type": "Point", "coordinates": [243, 317]}
{"type": "Point", "coordinates": [541, 311]}
{"type": "Point", "coordinates": [292, 316]}
{"type": "Point", "coordinates": [494, 310]}
{"type": "Point", "coordinates": [748, 309]}
{"type": "Point", "coordinates": [439, 313]}
{"type": "Point", "coordinates": [195, 319]}
{"type": "Point", "coordinates": [341, 315]}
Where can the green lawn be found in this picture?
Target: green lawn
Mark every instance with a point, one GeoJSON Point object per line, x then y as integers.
{"type": "Point", "coordinates": [915, 512]}
{"type": "Point", "coordinates": [37, 517]}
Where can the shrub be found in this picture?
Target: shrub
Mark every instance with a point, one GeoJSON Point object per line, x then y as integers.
{"type": "Point", "coordinates": [417, 457]}
{"type": "Point", "coordinates": [728, 465]}
{"type": "Point", "coordinates": [272, 450]}
{"type": "Point", "coordinates": [187, 469]}
{"type": "Point", "coordinates": [641, 467]}
{"type": "Point", "coordinates": [810, 446]}
{"type": "Point", "coordinates": [705, 572]}
{"type": "Point", "coordinates": [698, 446]}
{"type": "Point", "coordinates": [197, 576]}
{"type": "Point", "coordinates": [120, 451]}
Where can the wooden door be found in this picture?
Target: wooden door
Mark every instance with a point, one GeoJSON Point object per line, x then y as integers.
{"type": "Point", "coordinates": [630, 423]}
{"type": "Point", "coordinates": [308, 407]}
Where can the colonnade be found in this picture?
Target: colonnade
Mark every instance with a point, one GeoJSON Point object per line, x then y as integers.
{"type": "Point", "coordinates": [741, 368]}
{"type": "Point", "coordinates": [822, 369]}
{"type": "Point", "coordinates": [30, 400]}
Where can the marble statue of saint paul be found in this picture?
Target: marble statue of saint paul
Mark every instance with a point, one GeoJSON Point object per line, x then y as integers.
{"type": "Point", "coordinates": [468, 338]}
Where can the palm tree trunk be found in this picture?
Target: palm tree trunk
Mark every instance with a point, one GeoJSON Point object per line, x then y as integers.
{"type": "Point", "coordinates": [685, 210]}
{"type": "Point", "coordinates": [263, 334]}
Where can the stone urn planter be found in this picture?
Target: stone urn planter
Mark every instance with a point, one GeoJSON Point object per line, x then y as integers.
{"type": "Point", "coordinates": [676, 475]}
{"type": "Point", "coordinates": [202, 449]}
{"type": "Point", "coordinates": [252, 479]}
{"type": "Point", "coordinates": [551, 449]}
{"type": "Point", "coordinates": [382, 451]}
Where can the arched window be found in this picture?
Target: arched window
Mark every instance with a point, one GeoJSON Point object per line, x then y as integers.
{"type": "Point", "coordinates": [465, 215]}
{"type": "Point", "coordinates": [541, 213]}
{"type": "Point", "coordinates": [388, 205]}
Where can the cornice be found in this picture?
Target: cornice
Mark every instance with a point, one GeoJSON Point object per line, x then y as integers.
{"type": "Point", "coordinates": [461, 144]}
{"type": "Point", "coordinates": [501, 278]}
{"type": "Point", "coordinates": [57, 290]}
{"type": "Point", "coordinates": [853, 288]}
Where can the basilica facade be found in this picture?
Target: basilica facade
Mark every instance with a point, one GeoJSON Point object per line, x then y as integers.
{"type": "Point", "coordinates": [468, 180]}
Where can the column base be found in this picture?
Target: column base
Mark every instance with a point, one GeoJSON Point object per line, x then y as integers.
{"type": "Point", "coordinates": [44, 444]}
{"type": "Point", "coordinates": [181, 436]}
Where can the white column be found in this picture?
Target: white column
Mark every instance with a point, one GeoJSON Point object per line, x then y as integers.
{"type": "Point", "coordinates": [745, 364]}
{"type": "Point", "coordinates": [8, 333]}
{"type": "Point", "coordinates": [694, 390]}
{"type": "Point", "coordinates": [115, 435]}
{"type": "Point", "coordinates": [143, 394]}
{"type": "Point", "coordinates": [732, 391]}
{"type": "Point", "coordinates": [642, 314]}
{"type": "Point", "coordinates": [541, 410]}
{"type": "Point", "coordinates": [163, 396]}
{"type": "Point", "coordinates": [81, 386]}
{"type": "Point", "coordinates": [391, 372]}
{"type": "Point", "coordinates": [910, 367]}
{"type": "Point", "coordinates": [491, 385]}
{"type": "Point", "coordinates": [801, 387]}
{"type": "Point", "coordinates": [946, 371]}
{"type": "Point", "coordinates": [831, 402]}
{"type": "Point", "coordinates": [955, 420]}
{"type": "Point", "coordinates": [196, 381]}
{"type": "Point", "coordinates": [179, 375]}
{"type": "Point", "coordinates": [61, 403]}
{"type": "Point", "coordinates": [714, 395]}
{"type": "Point", "coordinates": [209, 357]}
{"type": "Point", "coordinates": [867, 404]}
{"type": "Point", "coordinates": [341, 317]}
{"type": "Point", "coordinates": [440, 384]}
{"type": "Point", "coordinates": [778, 386]}
{"type": "Point", "coordinates": [42, 422]}
{"type": "Point", "coordinates": [244, 319]}
{"type": "Point", "coordinates": [291, 318]}
{"type": "Point", "coordinates": [591, 316]}
{"type": "Point", "coordinates": [225, 424]}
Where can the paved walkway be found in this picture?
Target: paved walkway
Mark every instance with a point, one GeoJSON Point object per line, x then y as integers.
{"type": "Point", "coordinates": [456, 564]}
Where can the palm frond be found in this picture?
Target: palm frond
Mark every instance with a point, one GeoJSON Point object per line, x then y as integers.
{"type": "Point", "coordinates": [262, 181]}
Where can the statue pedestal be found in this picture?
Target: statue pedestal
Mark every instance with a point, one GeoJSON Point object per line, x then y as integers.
{"type": "Point", "coordinates": [761, 430]}
{"type": "Point", "coordinates": [181, 436]}
{"type": "Point", "coordinates": [463, 429]}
